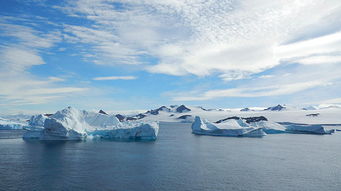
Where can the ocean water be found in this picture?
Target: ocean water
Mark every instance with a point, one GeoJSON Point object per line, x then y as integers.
{"type": "Point", "coordinates": [178, 160]}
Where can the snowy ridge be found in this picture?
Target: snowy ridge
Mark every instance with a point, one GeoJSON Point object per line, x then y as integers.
{"type": "Point", "coordinates": [330, 115]}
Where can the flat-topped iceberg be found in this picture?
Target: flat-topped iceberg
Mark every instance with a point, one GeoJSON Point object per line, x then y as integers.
{"type": "Point", "coordinates": [230, 128]}
{"type": "Point", "coordinates": [253, 127]}
{"type": "Point", "coordinates": [73, 124]}
{"type": "Point", "coordinates": [129, 131]}
{"type": "Point", "coordinates": [307, 128]}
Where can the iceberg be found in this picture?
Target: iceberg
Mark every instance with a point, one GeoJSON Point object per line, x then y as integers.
{"type": "Point", "coordinates": [72, 124]}
{"type": "Point", "coordinates": [129, 131]}
{"type": "Point", "coordinates": [307, 128]}
{"type": "Point", "coordinates": [99, 120]}
{"type": "Point", "coordinates": [67, 124]}
{"type": "Point", "coordinates": [37, 121]}
{"type": "Point", "coordinates": [269, 127]}
{"type": "Point", "coordinates": [230, 128]}
{"type": "Point", "coordinates": [275, 108]}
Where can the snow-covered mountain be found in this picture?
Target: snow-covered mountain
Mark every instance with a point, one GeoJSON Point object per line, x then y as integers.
{"type": "Point", "coordinates": [277, 113]}
{"type": "Point", "coordinates": [324, 114]}
{"type": "Point", "coordinates": [276, 108]}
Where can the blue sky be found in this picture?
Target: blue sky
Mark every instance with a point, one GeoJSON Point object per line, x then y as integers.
{"type": "Point", "coordinates": [136, 54]}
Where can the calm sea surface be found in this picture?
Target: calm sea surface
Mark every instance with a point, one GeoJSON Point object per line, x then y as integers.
{"type": "Point", "coordinates": [178, 160]}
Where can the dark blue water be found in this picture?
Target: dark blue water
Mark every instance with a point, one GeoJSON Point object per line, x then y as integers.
{"type": "Point", "coordinates": [178, 160]}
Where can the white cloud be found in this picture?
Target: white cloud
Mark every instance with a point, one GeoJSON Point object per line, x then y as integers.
{"type": "Point", "coordinates": [230, 39]}
{"type": "Point", "coordinates": [320, 50]}
{"type": "Point", "coordinates": [29, 37]}
{"type": "Point", "coordinates": [17, 85]}
{"type": "Point", "coordinates": [234, 75]}
{"type": "Point", "coordinates": [273, 90]}
{"type": "Point", "coordinates": [204, 37]}
{"type": "Point", "coordinates": [332, 101]}
{"type": "Point", "coordinates": [115, 78]}
{"type": "Point", "coordinates": [55, 79]}
{"type": "Point", "coordinates": [266, 76]}
{"type": "Point", "coordinates": [17, 59]}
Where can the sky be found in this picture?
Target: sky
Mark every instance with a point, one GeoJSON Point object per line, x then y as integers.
{"type": "Point", "coordinates": [140, 54]}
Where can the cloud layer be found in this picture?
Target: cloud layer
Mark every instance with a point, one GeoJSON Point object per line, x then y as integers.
{"type": "Point", "coordinates": [246, 48]}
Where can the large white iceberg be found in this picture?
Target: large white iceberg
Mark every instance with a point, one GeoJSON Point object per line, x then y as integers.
{"type": "Point", "coordinates": [73, 124]}
{"type": "Point", "coordinates": [67, 124]}
{"type": "Point", "coordinates": [230, 128]}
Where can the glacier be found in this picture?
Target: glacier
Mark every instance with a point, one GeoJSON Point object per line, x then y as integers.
{"type": "Point", "coordinates": [73, 124]}
{"type": "Point", "coordinates": [229, 128]}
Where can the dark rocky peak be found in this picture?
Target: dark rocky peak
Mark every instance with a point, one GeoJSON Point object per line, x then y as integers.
{"type": "Point", "coordinates": [313, 115]}
{"type": "Point", "coordinates": [120, 117]}
{"type": "Point", "coordinates": [164, 108]}
{"type": "Point", "coordinates": [205, 109]}
{"type": "Point", "coordinates": [247, 119]}
{"type": "Point", "coordinates": [222, 120]}
{"type": "Point", "coordinates": [131, 118]}
{"type": "Point", "coordinates": [254, 119]}
{"type": "Point", "coordinates": [140, 116]}
{"type": "Point", "coordinates": [135, 117]}
{"type": "Point", "coordinates": [245, 109]}
{"type": "Point", "coordinates": [156, 111]}
{"type": "Point", "coordinates": [102, 112]}
{"type": "Point", "coordinates": [182, 108]}
{"type": "Point", "coordinates": [275, 108]}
